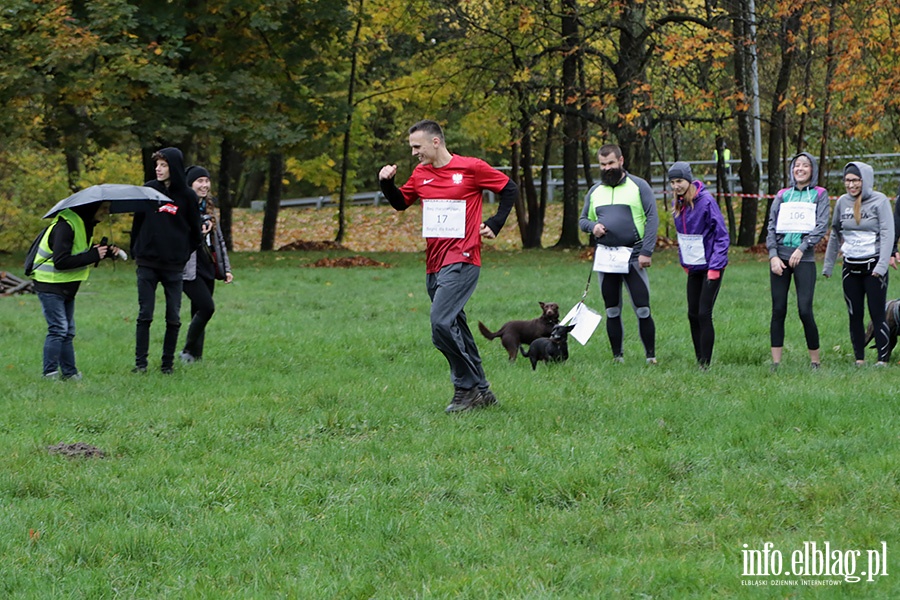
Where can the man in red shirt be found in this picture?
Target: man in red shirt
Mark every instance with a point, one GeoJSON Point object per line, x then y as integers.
{"type": "Point", "coordinates": [450, 188]}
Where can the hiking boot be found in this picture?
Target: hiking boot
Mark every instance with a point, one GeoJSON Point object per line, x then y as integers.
{"type": "Point", "coordinates": [463, 400]}
{"type": "Point", "coordinates": [485, 398]}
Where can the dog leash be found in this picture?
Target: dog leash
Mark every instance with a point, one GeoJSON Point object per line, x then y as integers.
{"type": "Point", "coordinates": [587, 287]}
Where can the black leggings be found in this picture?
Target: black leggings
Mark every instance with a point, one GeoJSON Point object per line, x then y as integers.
{"type": "Point", "coordinates": [701, 298]}
{"type": "Point", "coordinates": [805, 282]}
{"type": "Point", "coordinates": [200, 291]}
{"type": "Point", "coordinates": [638, 285]}
{"type": "Point", "coordinates": [858, 291]}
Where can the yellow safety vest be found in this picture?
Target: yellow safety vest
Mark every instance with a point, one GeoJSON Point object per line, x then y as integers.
{"type": "Point", "coordinates": [44, 269]}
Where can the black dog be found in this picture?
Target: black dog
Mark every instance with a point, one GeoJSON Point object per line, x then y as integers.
{"type": "Point", "coordinates": [892, 320]}
{"type": "Point", "coordinates": [514, 333]}
{"type": "Point", "coordinates": [550, 349]}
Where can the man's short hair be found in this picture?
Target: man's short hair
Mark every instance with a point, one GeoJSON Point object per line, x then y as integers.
{"type": "Point", "coordinates": [159, 156]}
{"type": "Point", "coordinates": [429, 127]}
{"type": "Point", "coordinates": [607, 149]}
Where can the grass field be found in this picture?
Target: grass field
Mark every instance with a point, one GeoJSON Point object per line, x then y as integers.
{"type": "Point", "coordinates": [308, 455]}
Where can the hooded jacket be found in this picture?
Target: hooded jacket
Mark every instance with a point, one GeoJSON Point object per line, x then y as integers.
{"type": "Point", "coordinates": [876, 218]}
{"type": "Point", "coordinates": [61, 238]}
{"type": "Point", "coordinates": [164, 236]}
{"type": "Point", "coordinates": [783, 245]}
{"type": "Point", "coordinates": [705, 219]}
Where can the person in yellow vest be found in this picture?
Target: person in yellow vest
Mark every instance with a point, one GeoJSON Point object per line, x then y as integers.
{"type": "Point", "coordinates": [620, 214]}
{"type": "Point", "coordinates": [63, 261]}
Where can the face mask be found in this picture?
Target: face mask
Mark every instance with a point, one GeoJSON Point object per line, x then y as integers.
{"type": "Point", "coordinates": [611, 177]}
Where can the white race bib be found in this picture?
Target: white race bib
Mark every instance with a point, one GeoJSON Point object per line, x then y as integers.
{"type": "Point", "coordinates": [796, 217]}
{"type": "Point", "coordinates": [612, 259]}
{"type": "Point", "coordinates": [443, 218]}
{"type": "Point", "coordinates": [691, 247]}
{"type": "Point", "coordinates": [859, 244]}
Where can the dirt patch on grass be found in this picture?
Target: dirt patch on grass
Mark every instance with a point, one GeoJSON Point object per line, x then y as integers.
{"type": "Point", "coordinates": [306, 245]}
{"type": "Point", "coordinates": [349, 261]}
{"type": "Point", "coordinates": [77, 450]}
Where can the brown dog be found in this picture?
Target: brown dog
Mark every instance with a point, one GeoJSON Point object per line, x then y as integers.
{"type": "Point", "coordinates": [892, 320]}
{"type": "Point", "coordinates": [514, 333]}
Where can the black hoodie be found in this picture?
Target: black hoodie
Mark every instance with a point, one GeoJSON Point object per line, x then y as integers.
{"type": "Point", "coordinates": [164, 236]}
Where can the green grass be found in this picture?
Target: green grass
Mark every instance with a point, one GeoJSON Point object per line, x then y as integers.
{"type": "Point", "coordinates": [308, 455]}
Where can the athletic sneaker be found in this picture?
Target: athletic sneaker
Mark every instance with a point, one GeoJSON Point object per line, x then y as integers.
{"type": "Point", "coordinates": [619, 359]}
{"type": "Point", "coordinates": [187, 358]}
{"type": "Point", "coordinates": [463, 400]}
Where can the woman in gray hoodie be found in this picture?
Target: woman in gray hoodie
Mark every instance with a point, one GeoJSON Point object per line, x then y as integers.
{"type": "Point", "coordinates": [798, 219]}
{"type": "Point", "coordinates": [863, 229]}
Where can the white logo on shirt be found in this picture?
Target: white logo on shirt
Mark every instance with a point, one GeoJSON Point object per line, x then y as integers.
{"type": "Point", "coordinates": [427, 181]}
{"type": "Point", "coordinates": [457, 178]}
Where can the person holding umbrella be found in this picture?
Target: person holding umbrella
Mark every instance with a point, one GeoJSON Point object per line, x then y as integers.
{"type": "Point", "coordinates": [162, 240]}
{"type": "Point", "coordinates": [64, 256]}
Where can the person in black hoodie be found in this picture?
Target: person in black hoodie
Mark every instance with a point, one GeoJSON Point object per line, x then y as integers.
{"type": "Point", "coordinates": [162, 240]}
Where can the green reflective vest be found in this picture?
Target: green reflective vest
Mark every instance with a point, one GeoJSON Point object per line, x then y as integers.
{"type": "Point", "coordinates": [44, 269]}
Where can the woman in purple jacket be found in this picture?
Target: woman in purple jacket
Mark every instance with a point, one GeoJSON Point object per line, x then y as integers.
{"type": "Point", "coordinates": [703, 250]}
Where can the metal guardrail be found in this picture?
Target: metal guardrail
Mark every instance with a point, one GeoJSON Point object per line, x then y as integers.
{"type": "Point", "coordinates": [886, 166]}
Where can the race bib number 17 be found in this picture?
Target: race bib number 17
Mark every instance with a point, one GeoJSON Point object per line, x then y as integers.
{"type": "Point", "coordinates": [443, 218]}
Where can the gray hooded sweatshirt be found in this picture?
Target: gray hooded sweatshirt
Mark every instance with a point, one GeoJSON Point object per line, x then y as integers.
{"type": "Point", "coordinates": [783, 245]}
{"type": "Point", "coordinates": [872, 236]}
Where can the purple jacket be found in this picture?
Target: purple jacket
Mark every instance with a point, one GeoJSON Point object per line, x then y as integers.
{"type": "Point", "coordinates": [705, 219]}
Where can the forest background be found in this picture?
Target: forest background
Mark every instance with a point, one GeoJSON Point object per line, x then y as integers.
{"type": "Point", "coordinates": [309, 97]}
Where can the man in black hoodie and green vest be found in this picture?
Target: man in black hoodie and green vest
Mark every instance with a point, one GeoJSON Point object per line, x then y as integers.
{"type": "Point", "coordinates": [162, 240]}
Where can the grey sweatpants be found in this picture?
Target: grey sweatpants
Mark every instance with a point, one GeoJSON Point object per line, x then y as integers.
{"type": "Point", "coordinates": [449, 290]}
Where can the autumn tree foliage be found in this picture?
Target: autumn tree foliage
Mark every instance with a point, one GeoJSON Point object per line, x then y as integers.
{"type": "Point", "coordinates": [319, 93]}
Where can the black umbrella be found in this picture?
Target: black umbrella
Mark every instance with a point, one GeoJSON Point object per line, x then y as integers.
{"type": "Point", "coordinates": [122, 198]}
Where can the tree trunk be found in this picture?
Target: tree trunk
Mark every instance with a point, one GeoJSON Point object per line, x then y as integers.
{"type": "Point", "coordinates": [224, 195]}
{"type": "Point", "coordinates": [273, 201]}
{"type": "Point", "coordinates": [633, 135]}
{"type": "Point", "coordinates": [831, 65]}
{"type": "Point", "coordinates": [535, 228]}
{"type": "Point", "coordinates": [515, 173]}
{"type": "Point", "coordinates": [807, 82]}
{"type": "Point", "coordinates": [585, 146]}
{"type": "Point", "coordinates": [545, 163]}
{"type": "Point", "coordinates": [345, 162]}
{"type": "Point", "coordinates": [778, 115]}
{"type": "Point", "coordinates": [749, 170]}
{"type": "Point", "coordinates": [571, 127]}
{"type": "Point", "coordinates": [73, 168]}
